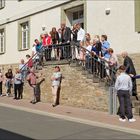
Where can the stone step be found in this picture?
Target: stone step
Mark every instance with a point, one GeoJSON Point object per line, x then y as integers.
{"type": "Point", "coordinates": [55, 62]}
{"type": "Point", "coordinates": [137, 110]}
{"type": "Point", "coordinates": [136, 103]}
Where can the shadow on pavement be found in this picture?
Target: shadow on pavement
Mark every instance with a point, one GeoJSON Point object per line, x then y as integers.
{"type": "Point", "coordinates": [7, 135]}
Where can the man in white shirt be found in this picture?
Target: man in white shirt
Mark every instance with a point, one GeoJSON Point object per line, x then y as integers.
{"type": "Point", "coordinates": [80, 34]}
{"type": "Point", "coordinates": [123, 85]}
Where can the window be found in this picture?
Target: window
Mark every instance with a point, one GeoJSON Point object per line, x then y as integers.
{"type": "Point", "coordinates": [78, 15]}
{"type": "Point", "coordinates": [2, 41]}
{"type": "Point", "coordinates": [25, 35]}
{"type": "Point", "coordinates": [2, 4]}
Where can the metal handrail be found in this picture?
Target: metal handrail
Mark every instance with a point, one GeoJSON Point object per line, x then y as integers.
{"type": "Point", "coordinates": [43, 47]}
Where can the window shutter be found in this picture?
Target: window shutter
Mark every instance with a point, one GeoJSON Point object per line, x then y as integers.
{"type": "Point", "coordinates": [137, 15]}
{"type": "Point", "coordinates": [29, 34]}
{"type": "Point", "coordinates": [19, 37]}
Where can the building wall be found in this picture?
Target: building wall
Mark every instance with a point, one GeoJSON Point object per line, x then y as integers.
{"type": "Point", "coordinates": [48, 18]}
{"type": "Point", "coordinates": [14, 8]}
{"type": "Point", "coordinates": [119, 25]}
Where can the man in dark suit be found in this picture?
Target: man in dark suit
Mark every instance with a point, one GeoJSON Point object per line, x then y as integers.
{"type": "Point", "coordinates": [130, 70]}
{"type": "Point", "coordinates": [65, 38]}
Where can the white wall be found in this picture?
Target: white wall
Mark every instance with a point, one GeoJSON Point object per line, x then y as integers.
{"type": "Point", "coordinates": [48, 18]}
{"type": "Point", "coordinates": [13, 7]}
{"type": "Point", "coordinates": [12, 54]}
{"type": "Point", "coordinates": [119, 25]}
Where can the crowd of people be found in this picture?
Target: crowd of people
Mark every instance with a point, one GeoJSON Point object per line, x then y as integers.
{"type": "Point", "coordinates": [95, 55]}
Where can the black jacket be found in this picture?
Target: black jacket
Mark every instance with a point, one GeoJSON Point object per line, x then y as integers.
{"type": "Point", "coordinates": [66, 35]}
{"type": "Point", "coordinates": [128, 63]}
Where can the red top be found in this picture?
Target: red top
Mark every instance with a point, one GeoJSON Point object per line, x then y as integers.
{"type": "Point", "coordinates": [44, 41]}
{"type": "Point", "coordinates": [49, 40]}
{"type": "Point", "coordinates": [32, 78]}
{"type": "Point", "coordinates": [30, 63]}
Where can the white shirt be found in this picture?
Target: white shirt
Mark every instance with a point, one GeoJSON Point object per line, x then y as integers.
{"type": "Point", "coordinates": [34, 52]}
{"type": "Point", "coordinates": [81, 35]}
{"type": "Point", "coordinates": [89, 48]}
{"type": "Point", "coordinates": [123, 82]}
{"type": "Point", "coordinates": [58, 76]}
{"type": "Point", "coordinates": [18, 78]}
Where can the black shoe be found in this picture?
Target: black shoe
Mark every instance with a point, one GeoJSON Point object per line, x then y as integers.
{"type": "Point", "coordinates": [137, 98]}
{"type": "Point", "coordinates": [53, 105]}
{"type": "Point", "coordinates": [34, 102]}
{"type": "Point", "coordinates": [31, 101]}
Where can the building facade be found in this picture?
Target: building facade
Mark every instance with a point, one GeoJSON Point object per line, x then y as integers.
{"type": "Point", "coordinates": [22, 21]}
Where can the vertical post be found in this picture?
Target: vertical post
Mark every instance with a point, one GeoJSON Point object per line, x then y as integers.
{"type": "Point", "coordinates": [114, 102]}
{"type": "Point", "coordinates": [110, 100]}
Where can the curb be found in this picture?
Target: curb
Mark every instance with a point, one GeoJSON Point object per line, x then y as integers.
{"type": "Point", "coordinates": [73, 119]}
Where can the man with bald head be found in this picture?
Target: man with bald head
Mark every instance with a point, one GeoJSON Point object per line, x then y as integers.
{"type": "Point", "coordinates": [130, 70]}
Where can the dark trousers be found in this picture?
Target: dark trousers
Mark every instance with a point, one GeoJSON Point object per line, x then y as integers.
{"type": "Point", "coordinates": [0, 87]}
{"type": "Point", "coordinates": [125, 104]}
{"type": "Point", "coordinates": [17, 90]}
{"type": "Point", "coordinates": [134, 89]}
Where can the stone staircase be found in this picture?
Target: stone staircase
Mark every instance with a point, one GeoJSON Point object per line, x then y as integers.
{"type": "Point", "coordinates": [77, 90]}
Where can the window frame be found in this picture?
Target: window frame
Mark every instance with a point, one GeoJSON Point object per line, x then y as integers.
{"type": "Point", "coordinates": [25, 38]}
{"type": "Point", "coordinates": [20, 34]}
{"type": "Point", "coordinates": [4, 42]}
{"type": "Point", "coordinates": [2, 4]}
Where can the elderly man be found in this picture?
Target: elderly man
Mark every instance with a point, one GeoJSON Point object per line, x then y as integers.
{"type": "Point", "coordinates": [65, 38]}
{"type": "Point", "coordinates": [130, 70]}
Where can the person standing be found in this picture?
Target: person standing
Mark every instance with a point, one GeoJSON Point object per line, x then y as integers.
{"type": "Point", "coordinates": [39, 53]}
{"type": "Point", "coordinates": [9, 77]}
{"type": "Point", "coordinates": [74, 49]}
{"type": "Point", "coordinates": [55, 38]}
{"type": "Point", "coordinates": [17, 84]}
{"type": "Point", "coordinates": [80, 40]}
{"type": "Point", "coordinates": [65, 38]}
{"type": "Point", "coordinates": [56, 85]}
{"type": "Point", "coordinates": [130, 70]}
{"type": "Point", "coordinates": [1, 81]}
{"type": "Point", "coordinates": [29, 62]}
{"type": "Point", "coordinates": [123, 85]}
{"type": "Point", "coordinates": [23, 68]}
{"type": "Point", "coordinates": [106, 55]}
{"type": "Point", "coordinates": [31, 78]}
{"type": "Point", "coordinates": [48, 46]}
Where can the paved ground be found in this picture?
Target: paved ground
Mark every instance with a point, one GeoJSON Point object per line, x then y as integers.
{"type": "Point", "coordinates": [25, 125]}
{"type": "Point", "coordinates": [24, 120]}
